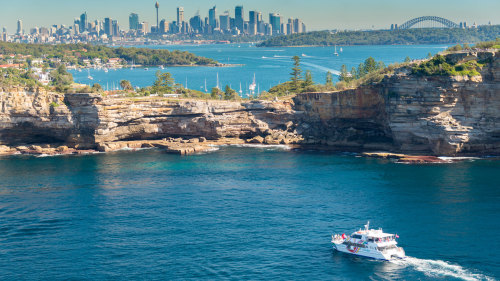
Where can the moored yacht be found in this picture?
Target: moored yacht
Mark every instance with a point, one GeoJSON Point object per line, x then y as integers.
{"type": "Point", "coordinates": [372, 243]}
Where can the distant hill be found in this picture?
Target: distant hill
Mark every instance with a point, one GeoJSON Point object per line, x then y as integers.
{"type": "Point", "coordinates": [387, 37]}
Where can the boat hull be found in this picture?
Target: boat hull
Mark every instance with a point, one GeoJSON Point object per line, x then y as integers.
{"type": "Point", "coordinates": [369, 253]}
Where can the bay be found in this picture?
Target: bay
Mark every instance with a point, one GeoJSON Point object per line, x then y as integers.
{"type": "Point", "coordinates": [270, 66]}
{"type": "Point", "coordinates": [245, 213]}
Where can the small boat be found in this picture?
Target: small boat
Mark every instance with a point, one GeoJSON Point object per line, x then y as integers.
{"type": "Point", "coordinates": [341, 49]}
{"type": "Point", "coordinates": [146, 68]}
{"type": "Point", "coordinates": [371, 243]}
{"type": "Point", "coordinates": [337, 54]}
{"type": "Point", "coordinates": [105, 70]}
{"type": "Point", "coordinates": [162, 67]}
{"type": "Point", "coordinates": [304, 55]}
{"type": "Point", "coordinates": [240, 89]}
{"type": "Point", "coordinates": [253, 85]}
{"type": "Point", "coordinates": [89, 76]}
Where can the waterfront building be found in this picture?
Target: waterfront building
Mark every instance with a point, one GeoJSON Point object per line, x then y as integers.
{"type": "Point", "coordinates": [239, 18]}
{"type": "Point", "coordinates": [133, 21]}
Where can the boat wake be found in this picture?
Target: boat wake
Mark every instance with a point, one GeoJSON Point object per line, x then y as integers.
{"type": "Point", "coordinates": [322, 68]}
{"type": "Point", "coordinates": [439, 268]}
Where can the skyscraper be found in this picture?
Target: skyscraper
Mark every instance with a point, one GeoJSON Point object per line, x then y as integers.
{"type": "Point", "coordinates": [180, 15]}
{"type": "Point", "coordinates": [212, 17]}
{"type": "Point", "coordinates": [252, 22]}
{"type": "Point", "coordinates": [83, 22]}
{"type": "Point", "coordinates": [275, 20]}
{"type": "Point", "coordinates": [239, 18]}
{"type": "Point", "coordinates": [225, 22]}
{"type": "Point", "coordinates": [133, 21]}
{"type": "Point", "coordinates": [19, 27]}
{"type": "Point", "coordinates": [115, 28]}
{"type": "Point", "coordinates": [108, 26]}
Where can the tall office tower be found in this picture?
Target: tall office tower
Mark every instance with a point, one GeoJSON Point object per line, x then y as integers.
{"type": "Point", "coordinates": [83, 22]}
{"type": "Point", "coordinates": [116, 28]}
{"type": "Point", "coordinates": [275, 21]}
{"type": "Point", "coordinates": [180, 16]}
{"type": "Point", "coordinates": [19, 27]}
{"type": "Point", "coordinates": [196, 24]}
{"type": "Point", "coordinates": [163, 27]}
{"type": "Point", "coordinates": [239, 18]}
{"type": "Point", "coordinates": [212, 17]}
{"type": "Point", "coordinates": [108, 26]}
{"type": "Point", "coordinates": [133, 21]}
{"type": "Point", "coordinates": [297, 26]}
{"type": "Point", "coordinates": [98, 27]}
{"type": "Point", "coordinates": [76, 28]}
{"type": "Point", "coordinates": [157, 22]}
{"type": "Point", "coordinates": [225, 22]}
{"type": "Point", "coordinates": [252, 22]}
{"type": "Point", "coordinates": [304, 28]}
{"type": "Point", "coordinates": [289, 27]}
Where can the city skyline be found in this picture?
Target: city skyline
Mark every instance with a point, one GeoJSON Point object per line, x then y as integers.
{"type": "Point", "coordinates": [331, 17]}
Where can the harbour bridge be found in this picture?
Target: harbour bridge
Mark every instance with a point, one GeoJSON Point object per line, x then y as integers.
{"type": "Point", "coordinates": [416, 21]}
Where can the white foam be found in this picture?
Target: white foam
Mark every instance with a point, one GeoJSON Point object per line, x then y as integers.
{"type": "Point", "coordinates": [264, 146]}
{"type": "Point", "coordinates": [447, 158]}
{"type": "Point", "coordinates": [439, 268]}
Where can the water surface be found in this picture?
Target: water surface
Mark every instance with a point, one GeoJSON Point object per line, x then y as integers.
{"type": "Point", "coordinates": [242, 213]}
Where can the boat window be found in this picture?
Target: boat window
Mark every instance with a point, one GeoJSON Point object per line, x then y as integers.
{"type": "Point", "coordinates": [357, 236]}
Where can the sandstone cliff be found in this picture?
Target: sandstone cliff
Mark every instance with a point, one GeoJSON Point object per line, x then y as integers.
{"type": "Point", "coordinates": [403, 113]}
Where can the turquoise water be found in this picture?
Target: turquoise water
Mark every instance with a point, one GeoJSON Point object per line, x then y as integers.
{"type": "Point", "coordinates": [242, 213]}
{"type": "Point", "coordinates": [270, 65]}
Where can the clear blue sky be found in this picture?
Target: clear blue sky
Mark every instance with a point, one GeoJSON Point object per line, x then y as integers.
{"type": "Point", "coordinates": [317, 14]}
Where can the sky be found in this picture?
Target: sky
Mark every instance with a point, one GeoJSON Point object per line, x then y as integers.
{"type": "Point", "coordinates": [316, 14]}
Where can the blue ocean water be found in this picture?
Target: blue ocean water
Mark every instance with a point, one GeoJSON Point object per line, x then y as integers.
{"type": "Point", "coordinates": [271, 66]}
{"type": "Point", "coordinates": [242, 214]}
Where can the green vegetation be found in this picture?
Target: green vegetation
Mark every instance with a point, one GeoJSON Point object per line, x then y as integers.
{"type": "Point", "coordinates": [438, 66]}
{"type": "Point", "coordinates": [15, 77]}
{"type": "Point", "coordinates": [77, 53]}
{"type": "Point", "coordinates": [296, 72]}
{"type": "Point", "coordinates": [164, 83]}
{"type": "Point", "coordinates": [481, 45]}
{"type": "Point", "coordinates": [387, 37]}
{"type": "Point", "coordinates": [61, 79]}
{"type": "Point", "coordinates": [126, 85]}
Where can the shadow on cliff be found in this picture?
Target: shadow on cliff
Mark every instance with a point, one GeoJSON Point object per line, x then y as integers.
{"type": "Point", "coordinates": [85, 119]}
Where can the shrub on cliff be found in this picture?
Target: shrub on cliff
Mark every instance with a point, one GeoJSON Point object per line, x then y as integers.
{"type": "Point", "coordinates": [438, 66]}
{"type": "Point", "coordinates": [61, 79]}
{"type": "Point", "coordinates": [164, 83]}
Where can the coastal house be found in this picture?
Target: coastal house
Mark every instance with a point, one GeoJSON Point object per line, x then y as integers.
{"type": "Point", "coordinates": [11, 65]}
{"type": "Point", "coordinates": [113, 62]}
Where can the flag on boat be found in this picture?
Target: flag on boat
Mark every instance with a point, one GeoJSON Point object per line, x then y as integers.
{"type": "Point", "coordinates": [343, 235]}
{"type": "Point", "coordinates": [397, 236]}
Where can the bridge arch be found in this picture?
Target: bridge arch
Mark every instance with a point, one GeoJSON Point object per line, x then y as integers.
{"type": "Point", "coordinates": [443, 21]}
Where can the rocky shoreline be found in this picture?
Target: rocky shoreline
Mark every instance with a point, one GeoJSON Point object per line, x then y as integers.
{"type": "Point", "coordinates": [419, 117]}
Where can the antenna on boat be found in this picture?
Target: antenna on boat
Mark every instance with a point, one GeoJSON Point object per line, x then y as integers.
{"type": "Point", "coordinates": [367, 226]}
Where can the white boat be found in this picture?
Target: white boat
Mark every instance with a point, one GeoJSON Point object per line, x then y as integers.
{"type": "Point", "coordinates": [371, 243]}
{"type": "Point", "coordinates": [89, 76]}
{"type": "Point", "coordinates": [240, 89]}
{"type": "Point", "coordinates": [337, 54]}
{"type": "Point", "coordinates": [162, 67]}
{"type": "Point", "coordinates": [253, 85]}
{"type": "Point", "coordinates": [341, 49]}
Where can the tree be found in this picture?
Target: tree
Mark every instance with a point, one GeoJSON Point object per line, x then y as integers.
{"type": "Point", "coordinates": [96, 88]}
{"type": "Point", "coordinates": [126, 85]}
{"type": "Point", "coordinates": [354, 74]}
{"type": "Point", "coordinates": [164, 83]}
{"type": "Point", "coordinates": [370, 65]}
{"type": "Point", "coordinates": [230, 94]}
{"type": "Point", "coordinates": [344, 75]}
{"type": "Point", "coordinates": [296, 72]}
{"type": "Point", "coordinates": [61, 78]}
{"type": "Point", "coordinates": [407, 59]}
{"type": "Point", "coordinates": [215, 93]}
{"type": "Point", "coordinates": [361, 70]}
{"type": "Point", "coordinates": [329, 79]}
{"type": "Point", "coordinates": [308, 79]}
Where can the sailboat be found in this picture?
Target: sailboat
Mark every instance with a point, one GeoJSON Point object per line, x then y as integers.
{"type": "Point", "coordinates": [240, 89]}
{"type": "Point", "coordinates": [206, 85]}
{"type": "Point", "coordinates": [252, 86]}
{"type": "Point", "coordinates": [341, 49]}
{"type": "Point", "coordinates": [217, 81]}
{"type": "Point", "coordinates": [132, 66]}
{"type": "Point", "coordinates": [89, 77]}
{"type": "Point", "coordinates": [337, 54]}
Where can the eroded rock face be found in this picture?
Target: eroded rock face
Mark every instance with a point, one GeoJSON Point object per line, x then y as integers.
{"type": "Point", "coordinates": [403, 113]}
